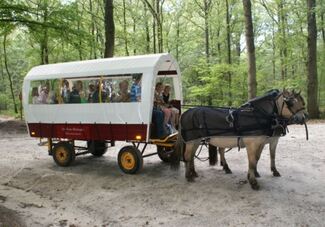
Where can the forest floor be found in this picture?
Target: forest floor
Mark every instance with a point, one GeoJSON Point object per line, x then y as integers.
{"type": "Point", "coordinates": [34, 191]}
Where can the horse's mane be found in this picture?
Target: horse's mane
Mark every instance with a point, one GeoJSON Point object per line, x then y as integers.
{"type": "Point", "coordinates": [269, 95]}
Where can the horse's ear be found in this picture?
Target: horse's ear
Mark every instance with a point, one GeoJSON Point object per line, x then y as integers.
{"type": "Point", "coordinates": [299, 92]}
{"type": "Point", "coordinates": [285, 92]}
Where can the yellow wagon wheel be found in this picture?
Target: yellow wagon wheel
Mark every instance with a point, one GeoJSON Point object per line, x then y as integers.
{"type": "Point", "coordinates": [63, 153]}
{"type": "Point", "coordinates": [130, 159]}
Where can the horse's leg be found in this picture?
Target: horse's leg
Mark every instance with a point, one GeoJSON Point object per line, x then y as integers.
{"type": "Point", "coordinates": [251, 154]}
{"type": "Point", "coordinates": [213, 155]}
{"type": "Point", "coordinates": [189, 160]}
{"type": "Point", "coordinates": [258, 155]}
{"type": "Point", "coordinates": [223, 160]}
{"type": "Point", "coordinates": [192, 167]}
{"type": "Point", "coordinates": [273, 145]}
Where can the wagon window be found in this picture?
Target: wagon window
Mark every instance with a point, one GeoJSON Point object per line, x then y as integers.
{"type": "Point", "coordinates": [93, 89]}
{"type": "Point", "coordinates": [125, 88]}
{"type": "Point", "coordinates": [44, 92]}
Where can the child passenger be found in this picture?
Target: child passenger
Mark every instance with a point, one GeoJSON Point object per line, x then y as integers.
{"type": "Point", "coordinates": [42, 98]}
{"type": "Point", "coordinates": [159, 102]}
{"type": "Point", "coordinates": [35, 99]}
{"type": "Point", "coordinates": [175, 111]}
{"type": "Point", "coordinates": [65, 92]}
{"type": "Point", "coordinates": [136, 89]}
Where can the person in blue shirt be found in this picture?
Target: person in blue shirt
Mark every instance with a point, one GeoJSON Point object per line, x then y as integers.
{"type": "Point", "coordinates": [136, 89]}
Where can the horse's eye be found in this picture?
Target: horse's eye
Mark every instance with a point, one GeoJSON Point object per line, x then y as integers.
{"type": "Point", "coordinates": [290, 102]}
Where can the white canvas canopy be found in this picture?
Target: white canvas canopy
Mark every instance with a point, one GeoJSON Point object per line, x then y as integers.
{"type": "Point", "coordinates": [116, 113]}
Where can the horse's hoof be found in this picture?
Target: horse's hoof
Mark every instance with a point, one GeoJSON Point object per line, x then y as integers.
{"type": "Point", "coordinates": [257, 174]}
{"type": "Point", "coordinates": [190, 179]}
{"type": "Point", "coordinates": [255, 185]}
{"type": "Point", "coordinates": [276, 174]}
{"type": "Point", "coordinates": [228, 171]}
{"type": "Point", "coordinates": [194, 174]}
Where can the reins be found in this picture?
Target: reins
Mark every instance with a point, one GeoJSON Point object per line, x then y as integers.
{"type": "Point", "coordinates": [205, 143]}
{"type": "Point", "coordinates": [306, 128]}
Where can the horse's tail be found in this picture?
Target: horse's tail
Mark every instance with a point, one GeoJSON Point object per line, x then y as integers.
{"type": "Point", "coordinates": [176, 156]}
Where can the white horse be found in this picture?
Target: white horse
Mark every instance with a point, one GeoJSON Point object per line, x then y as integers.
{"type": "Point", "coordinates": [286, 106]}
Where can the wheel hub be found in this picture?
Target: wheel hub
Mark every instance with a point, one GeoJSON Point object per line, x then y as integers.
{"type": "Point", "coordinates": [61, 154]}
{"type": "Point", "coordinates": [128, 160]}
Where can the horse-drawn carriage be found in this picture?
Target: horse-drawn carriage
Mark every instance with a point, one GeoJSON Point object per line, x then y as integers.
{"type": "Point", "coordinates": [100, 102]}
{"type": "Point", "coordinates": [118, 106]}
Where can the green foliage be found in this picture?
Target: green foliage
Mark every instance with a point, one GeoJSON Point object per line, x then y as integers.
{"type": "Point", "coordinates": [74, 30]}
{"type": "Point", "coordinates": [211, 82]}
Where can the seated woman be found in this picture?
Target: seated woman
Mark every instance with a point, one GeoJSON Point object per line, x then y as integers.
{"type": "Point", "coordinates": [65, 91]}
{"type": "Point", "coordinates": [96, 97]}
{"type": "Point", "coordinates": [123, 95]}
{"type": "Point", "coordinates": [175, 111]}
{"type": "Point", "coordinates": [159, 102]}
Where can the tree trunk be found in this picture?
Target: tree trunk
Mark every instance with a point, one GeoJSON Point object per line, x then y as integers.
{"type": "Point", "coordinates": [323, 25]}
{"type": "Point", "coordinates": [2, 68]}
{"type": "Point", "coordinates": [273, 52]}
{"type": "Point", "coordinates": [124, 30]}
{"type": "Point", "coordinates": [283, 39]}
{"type": "Point", "coordinates": [93, 49]}
{"type": "Point", "coordinates": [249, 32]}
{"type": "Point", "coordinates": [44, 40]}
{"type": "Point", "coordinates": [228, 51]}
{"type": "Point", "coordinates": [154, 25]}
{"type": "Point", "coordinates": [8, 72]}
{"type": "Point", "coordinates": [79, 38]}
{"type": "Point", "coordinates": [206, 29]}
{"type": "Point", "coordinates": [160, 28]}
{"type": "Point", "coordinates": [218, 44]}
{"type": "Point", "coordinates": [312, 87]}
{"type": "Point", "coordinates": [154, 35]}
{"type": "Point", "coordinates": [147, 28]}
{"type": "Point", "coordinates": [109, 29]}
{"type": "Point", "coordinates": [134, 32]}
{"type": "Point", "coordinates": [177, 39]}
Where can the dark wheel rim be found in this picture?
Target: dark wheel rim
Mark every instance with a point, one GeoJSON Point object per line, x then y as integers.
{"type": "Point", "coordinates": [164, 153]}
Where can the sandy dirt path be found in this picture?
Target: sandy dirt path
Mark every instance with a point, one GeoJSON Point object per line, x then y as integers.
{"type": "Point", "coordinates": [94, 192]}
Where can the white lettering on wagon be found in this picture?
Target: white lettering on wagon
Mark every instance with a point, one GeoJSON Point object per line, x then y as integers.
{"type": "Point", "coordinates": [73, 131]}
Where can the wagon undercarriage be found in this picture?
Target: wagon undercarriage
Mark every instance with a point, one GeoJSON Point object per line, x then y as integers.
{"type": "Point", "coordinates": [130, 157]}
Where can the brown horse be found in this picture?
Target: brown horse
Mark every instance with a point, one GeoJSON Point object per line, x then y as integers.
{"type": "Point", "coordinates": [249, 126]}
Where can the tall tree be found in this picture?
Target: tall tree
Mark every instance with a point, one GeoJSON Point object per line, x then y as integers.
{"type": "Point", "coordinates": [249, 33]}
{"type": "Point", "coordinates": [312, 87]}
{"type": "Point", "coordinates": [282, 18]}
{"type": "Point", "coordinates": [228, 51]}
{"type": "Point", "coordinates": [125, 30]}
{"type": "Point", "coordinates": [206, 8]}
{"type": "Point", "coordinates": [156, 9]}
{"type": "Point", "coordinates": [109, 29]}
{"type": "Point", "coordinates": [7, 70]}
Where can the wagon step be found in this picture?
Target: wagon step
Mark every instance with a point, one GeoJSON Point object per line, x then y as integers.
{"type": "Point", "coordinates": [171, 137]}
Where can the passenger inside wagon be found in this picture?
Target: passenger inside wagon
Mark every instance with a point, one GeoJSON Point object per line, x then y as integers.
{"type": "Point", "coordinates": [170, 113]}
{"type": "Point", "coordinates": [123, 94]}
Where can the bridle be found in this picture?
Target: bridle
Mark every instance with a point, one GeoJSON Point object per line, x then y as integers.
{"type": "Point", "coordinates": [293, 113]}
